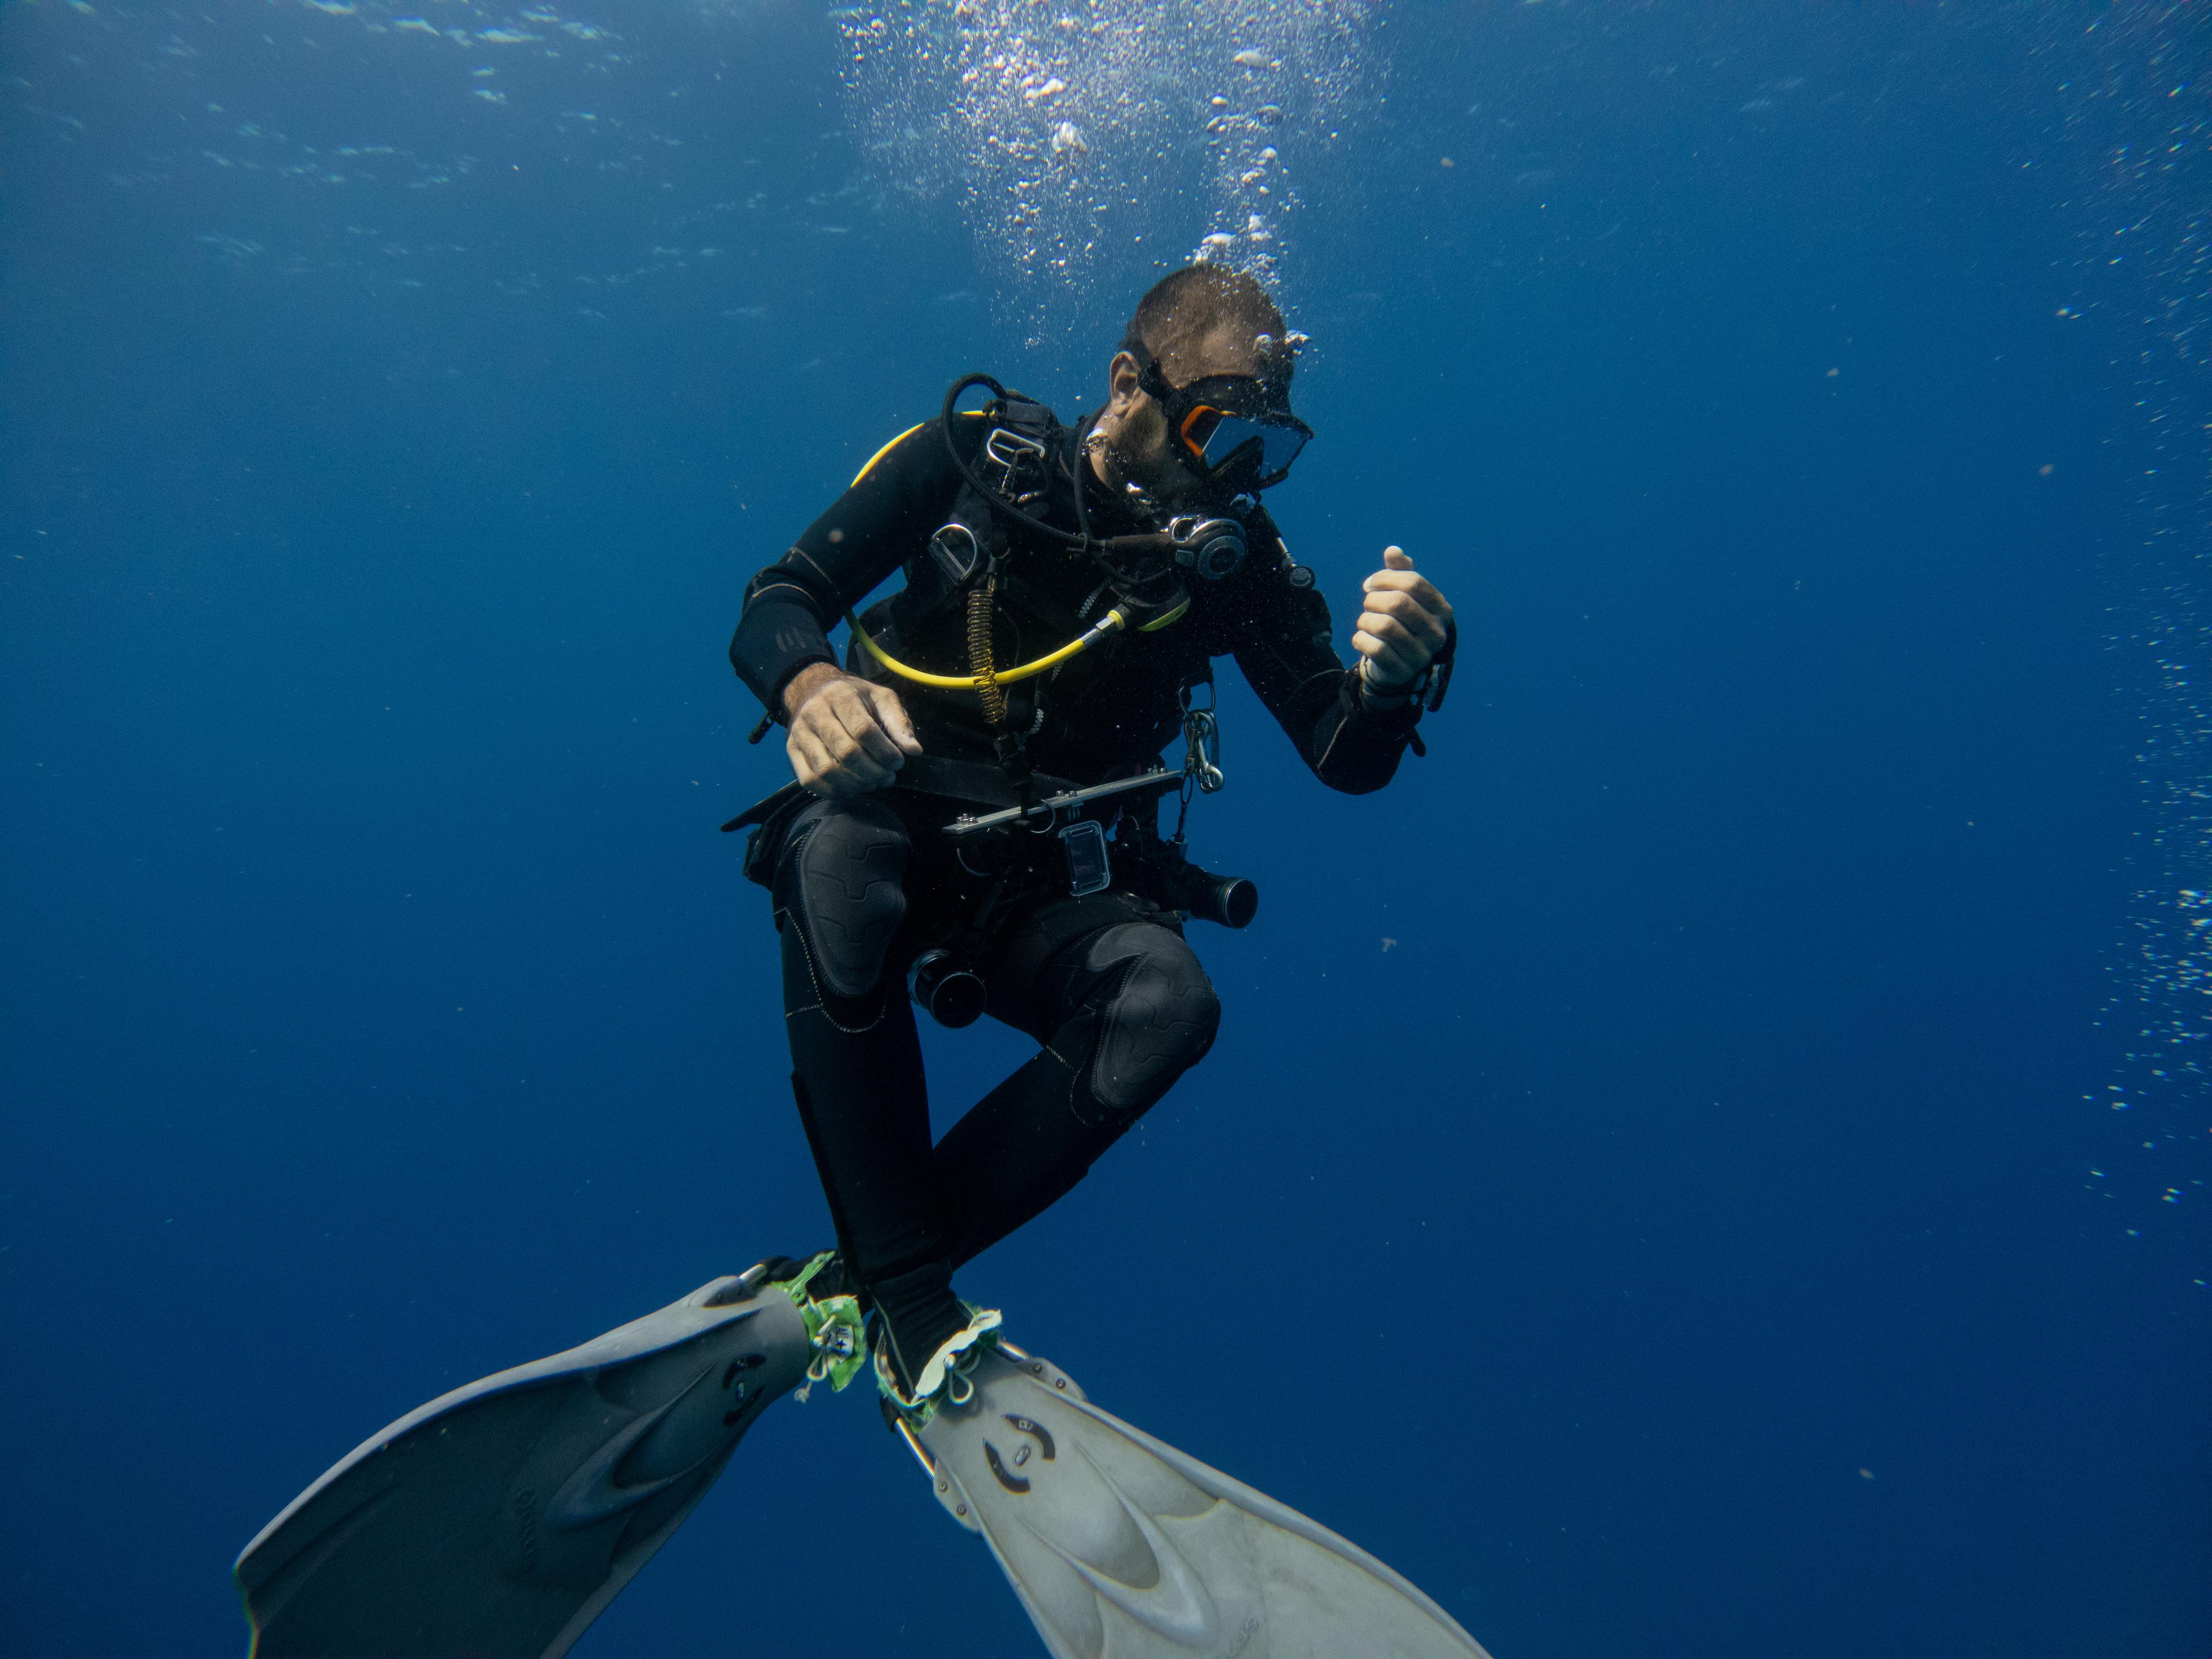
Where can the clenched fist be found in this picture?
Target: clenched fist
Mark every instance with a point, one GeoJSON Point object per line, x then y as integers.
{"type": "Point", "coordinates": [848, 735]}
{"type": "Point", "coordinates": [1404, 626]}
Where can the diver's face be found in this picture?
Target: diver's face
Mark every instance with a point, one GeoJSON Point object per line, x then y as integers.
{"type": "Point", "coordinates": [1134, 446]}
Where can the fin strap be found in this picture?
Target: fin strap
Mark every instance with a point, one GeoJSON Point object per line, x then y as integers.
{"type": "Point", "coordinates": [834, 1329]}
{"type": "Point", "coordinates": [945, 1376]}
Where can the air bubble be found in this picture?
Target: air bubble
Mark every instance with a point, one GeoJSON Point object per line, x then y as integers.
{"type": "Point", "coordinates": [992, 105]}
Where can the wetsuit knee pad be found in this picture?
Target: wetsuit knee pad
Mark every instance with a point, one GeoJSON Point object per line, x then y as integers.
{"type": "Point", "coordinates": [1155, 1014]}
{"type": "Point", "coordinates": [843, 877]}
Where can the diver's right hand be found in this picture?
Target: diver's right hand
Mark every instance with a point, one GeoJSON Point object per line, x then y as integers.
{"type": "Point", "coordinates": [848, 735]}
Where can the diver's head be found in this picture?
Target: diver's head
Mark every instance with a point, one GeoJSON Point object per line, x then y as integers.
{"type": "Point", "coordinates": [1198, 406]}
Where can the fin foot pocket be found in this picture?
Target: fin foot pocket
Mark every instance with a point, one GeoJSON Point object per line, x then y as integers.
{"type": "Point", "coordinates": [499, 1521]}
{"type": "Point", "coordinates": [1119, 1544]}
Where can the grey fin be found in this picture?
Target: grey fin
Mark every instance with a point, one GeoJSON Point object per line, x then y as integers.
{"type": "Point", "coordinates": [500, 1520]}
{"type": "Point", "coordinates": [1118, 1544]}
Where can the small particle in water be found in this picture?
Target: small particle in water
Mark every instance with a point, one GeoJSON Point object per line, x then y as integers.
{"type": "Point", "coordinates": [1252, 57]}
{"type": "Point", "coordinates": [1067, 139]}
{"type": "Point", "coordinates": [1268, 114]}
{"type": "Point", "coordinates": [2045, 469]}
{"type": "Point", "coordinates": [1866, 1474]}
{"type": "Point", "coordinates": [1446, 161]}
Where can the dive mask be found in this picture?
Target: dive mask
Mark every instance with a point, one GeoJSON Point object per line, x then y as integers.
{"type": "Point", "coordinates": [1235, 431]}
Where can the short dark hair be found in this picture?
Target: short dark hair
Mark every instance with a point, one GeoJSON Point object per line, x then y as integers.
{"type": "Point", "coordinates": [1185, 308]}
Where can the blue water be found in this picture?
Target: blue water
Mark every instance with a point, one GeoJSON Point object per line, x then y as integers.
{"type": "Point", "coordinates": [1710, 1161]}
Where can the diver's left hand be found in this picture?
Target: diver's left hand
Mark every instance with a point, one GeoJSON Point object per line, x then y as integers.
{"type": "Point", "coordinates": [1404, 623]}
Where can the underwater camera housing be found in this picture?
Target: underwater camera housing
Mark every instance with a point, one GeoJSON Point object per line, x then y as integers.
{"type": "Point", "coordinates": [1163, 874]}
{"type": "Point", "coordinates": [1225, 901]}
{"type": "Point", "coordinates": [952, 995]}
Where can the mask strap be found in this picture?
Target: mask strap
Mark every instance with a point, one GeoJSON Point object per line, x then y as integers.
{"type": "Point", "coordinates": [1150, 376]}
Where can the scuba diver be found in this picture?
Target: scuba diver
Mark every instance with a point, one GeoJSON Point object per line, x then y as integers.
{"type": "Point", "coordinates": [1141, 527]}
{"type": "Point", "coordinates": [973, 827]}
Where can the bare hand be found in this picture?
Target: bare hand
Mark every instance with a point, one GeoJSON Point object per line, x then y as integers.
{"type": "Point", "coordinates": [1404, 623]}
{"type": "Point", "coordinates": [848, 735]}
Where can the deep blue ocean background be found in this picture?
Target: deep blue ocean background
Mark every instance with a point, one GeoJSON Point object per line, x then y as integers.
{"type": "Point", "coordinates": [1709, 1162]}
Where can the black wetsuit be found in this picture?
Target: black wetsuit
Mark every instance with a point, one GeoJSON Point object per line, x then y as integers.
{"type": "Point", "coordinates": [1105, 982]}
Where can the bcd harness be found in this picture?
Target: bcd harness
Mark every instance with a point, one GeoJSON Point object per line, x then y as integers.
{"type": "Point", "coordinates": [968, 558]}
{"type": "Point", "coordinates": [968, 561]}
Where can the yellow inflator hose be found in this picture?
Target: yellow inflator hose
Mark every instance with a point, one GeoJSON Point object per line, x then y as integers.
{"type": "Point", "coordinates": [986, 680]}
{"type": "Point", "coordinates": [1112, 622]}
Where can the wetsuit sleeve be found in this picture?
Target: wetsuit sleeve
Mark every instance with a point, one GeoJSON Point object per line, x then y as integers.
{"type": "Point", "coordinates": [1287, 652]}
{"type": "Point", "coordinates": [889, 511]}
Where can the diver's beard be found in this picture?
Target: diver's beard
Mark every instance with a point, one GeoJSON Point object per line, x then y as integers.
{"type": "Point", "coordinates": [1142, 502]}
{"type": "Point", "coordinates": [1132, 470]}
{"type": "Point", "coordinates": [1149, 483]}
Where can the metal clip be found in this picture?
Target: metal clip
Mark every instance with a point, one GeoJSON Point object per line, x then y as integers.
{"type": "Point", "coordinates": [1202, 738]}
{"type": "Point", "coordinates": [1021, 461]}
{"type": "Point", "coordinates": [956, 552]}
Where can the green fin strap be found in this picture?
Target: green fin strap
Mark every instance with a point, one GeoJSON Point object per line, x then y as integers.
{"type": "Point", "coordinates": [833, 1327]}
